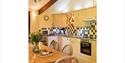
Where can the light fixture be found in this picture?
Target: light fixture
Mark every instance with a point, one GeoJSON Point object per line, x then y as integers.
{"type": "Point", "coordinates": [34, 14]}
{"type": "Point", "coordinates": [62, 8]}
{"type": "Point", "coordinates": [78, 7]}
{"type": "Point", "coordinates": [36, 1]}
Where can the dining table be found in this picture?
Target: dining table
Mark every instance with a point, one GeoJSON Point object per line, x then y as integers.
{"type": "Point", "coordinates": [51, 57]}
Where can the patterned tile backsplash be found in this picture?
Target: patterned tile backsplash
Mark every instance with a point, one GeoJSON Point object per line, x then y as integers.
{"type": "Point", "coordinates": [86, 32]}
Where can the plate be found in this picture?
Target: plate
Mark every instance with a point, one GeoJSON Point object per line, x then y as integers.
{"type": "Point", "coordinates": [44, 54]}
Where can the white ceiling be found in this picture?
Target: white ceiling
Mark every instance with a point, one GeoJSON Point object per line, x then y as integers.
{"type": "Point", "coordinates": [62, 6]}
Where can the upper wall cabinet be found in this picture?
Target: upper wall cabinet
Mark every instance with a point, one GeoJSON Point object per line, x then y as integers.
{"type": "Point", "coordinates": [84, 15]}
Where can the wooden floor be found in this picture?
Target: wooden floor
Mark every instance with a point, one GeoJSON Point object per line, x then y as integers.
{"type": "Point", "coordinates": [84, 60]}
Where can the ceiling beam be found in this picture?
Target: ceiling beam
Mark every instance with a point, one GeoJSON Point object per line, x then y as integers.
{"type": "Point", "coordinates": [46, 6]}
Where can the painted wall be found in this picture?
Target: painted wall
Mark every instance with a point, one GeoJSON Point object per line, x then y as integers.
{"type": "Point", "coordinates": [43, 23]}
{"type": "Point", "coordinates": [80, 16]}
{"type": "Point", "coordinates": [34, 23]}
{"type": "Point", "coordinates": [59, 20]}
{"type": "Point", "coordinates": [37, 21]}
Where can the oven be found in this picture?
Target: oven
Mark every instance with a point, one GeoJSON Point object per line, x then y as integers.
{"type": "Point", "coordinates": [85, 47]}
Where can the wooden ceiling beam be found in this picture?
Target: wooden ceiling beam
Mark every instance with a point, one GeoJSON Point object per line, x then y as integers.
{"type": "Point", "coordinates": [46, 6]}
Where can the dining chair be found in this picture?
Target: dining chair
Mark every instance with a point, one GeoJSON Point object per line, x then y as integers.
{"type": "Point", "coordinates": [54, 45]}
{"type": "Point", "coordinates": [67, 50]}
{"type": "Point", "coordinates": [67, 59]}
{"type": "Point", "coordinates": [40, 44]}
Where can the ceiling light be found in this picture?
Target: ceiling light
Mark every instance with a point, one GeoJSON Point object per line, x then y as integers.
{"type": "Point", "coordinates": [78, 7]}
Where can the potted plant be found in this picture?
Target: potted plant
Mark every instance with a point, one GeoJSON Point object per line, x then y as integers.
{"type": "Point", "coordinates": [35, 38]}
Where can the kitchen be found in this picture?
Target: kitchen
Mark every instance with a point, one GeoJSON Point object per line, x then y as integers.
{"type": "Point", "coordinates": [76, 27]}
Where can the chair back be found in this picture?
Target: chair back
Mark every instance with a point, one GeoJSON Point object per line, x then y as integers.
{"type": "Point", "coordinates": [67, 59]}
{"type": "Point", "coordinates": [67, 50]}
{"type": "Point", "coordinates": [54, 45]}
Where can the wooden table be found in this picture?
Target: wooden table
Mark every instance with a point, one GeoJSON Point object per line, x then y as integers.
{"type": "Point", "coordinates": [36, 58]}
